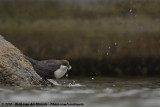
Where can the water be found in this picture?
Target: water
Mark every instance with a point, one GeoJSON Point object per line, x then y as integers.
{"type": "Point", "coordinates": [86, 92]}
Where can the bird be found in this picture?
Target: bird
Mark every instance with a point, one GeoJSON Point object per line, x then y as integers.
{"type": "Point", "coordinates": [50, 69]}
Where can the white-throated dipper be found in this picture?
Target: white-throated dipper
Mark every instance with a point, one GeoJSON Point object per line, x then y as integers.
{"type": "Point", "coordinates": [50, 69]}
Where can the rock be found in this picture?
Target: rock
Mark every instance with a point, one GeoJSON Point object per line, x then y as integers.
{"type": "Point", "coordinates": [15, 69]}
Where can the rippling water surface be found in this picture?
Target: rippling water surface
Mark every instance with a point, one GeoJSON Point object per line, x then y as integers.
{"type": "Point", "coordinates": [88, 92]}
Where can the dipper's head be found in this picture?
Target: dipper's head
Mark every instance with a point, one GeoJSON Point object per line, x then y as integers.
{"type": "Point", "coordinates": [61, 71]}
{"type": "Point", "coordinates": [66, 64]}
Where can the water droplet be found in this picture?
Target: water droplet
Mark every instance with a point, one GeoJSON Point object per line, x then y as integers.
{"type": "Point", "coordinates": [107, 53]}
{"type": "Point", "coordinates": [92, 78]}
{"type": "Point", "coordinates": [141, 27]}
{"type": "Point", "coordinates": [135, 15]}
{"type": "Point", "coordinates": [115, 44]}
{"type": "Point", "coordinates": [109, 47]}
{"type": "Point", "coordinates": [131, 2]}
{"type": "Point", "coordinates": [130, 10]}
{"type": "Point", "coordinates": [129, 41]}
{"type": "Point", "coordinates": [67, 75]}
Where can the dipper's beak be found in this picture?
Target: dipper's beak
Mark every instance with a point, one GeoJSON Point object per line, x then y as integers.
{"type": "Point", "coordinates": [70, 67]}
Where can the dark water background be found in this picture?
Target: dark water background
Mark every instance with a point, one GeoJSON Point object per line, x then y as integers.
{"type": "Point", "coordinates": [91, 92]}
{"type": "Point", "coordinates": [98, 37]}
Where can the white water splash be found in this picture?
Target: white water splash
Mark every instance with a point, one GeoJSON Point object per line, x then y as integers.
{"type": "Point", "coordinates": [67, 75]}
{"type": "Point", "coordinates": [75, 85]}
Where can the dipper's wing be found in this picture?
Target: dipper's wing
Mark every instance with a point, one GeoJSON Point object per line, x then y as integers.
{"type": "Point", "coordinates": [47, 66]}
{"type": "Point", "coordinates": [51, 67]}
{"type": "Point", "coordinates": [46, 69]}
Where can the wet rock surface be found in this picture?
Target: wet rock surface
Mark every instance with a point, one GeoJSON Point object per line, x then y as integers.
{"type": "Point", "coordinates": [15, 69]}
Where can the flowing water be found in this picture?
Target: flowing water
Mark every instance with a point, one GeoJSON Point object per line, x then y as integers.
{"type": "Point", "coordinates": [87, 92]}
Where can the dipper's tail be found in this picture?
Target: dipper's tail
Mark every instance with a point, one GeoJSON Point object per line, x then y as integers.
{"type": "Point", "coordinates": [32, 61]}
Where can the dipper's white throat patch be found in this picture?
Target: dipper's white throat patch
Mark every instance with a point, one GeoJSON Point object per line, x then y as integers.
{"type": "Point", "coordinates": [60, 72]}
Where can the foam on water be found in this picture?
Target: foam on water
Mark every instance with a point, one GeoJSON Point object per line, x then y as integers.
{"type": "Point", "coordinates": [75, 85]}
{"type": "Point", "coordinates": [87, 91]}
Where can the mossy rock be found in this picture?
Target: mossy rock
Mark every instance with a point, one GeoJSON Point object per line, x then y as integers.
{"type": "Point", "coordinates": [15, 69]}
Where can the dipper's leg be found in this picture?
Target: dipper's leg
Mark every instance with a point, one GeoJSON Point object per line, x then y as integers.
{"type": "Point", "coordinates": [54, 82]}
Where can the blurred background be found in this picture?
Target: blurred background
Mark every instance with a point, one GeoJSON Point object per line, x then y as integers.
{"type": "Point", "coordinates": [99, 37]}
